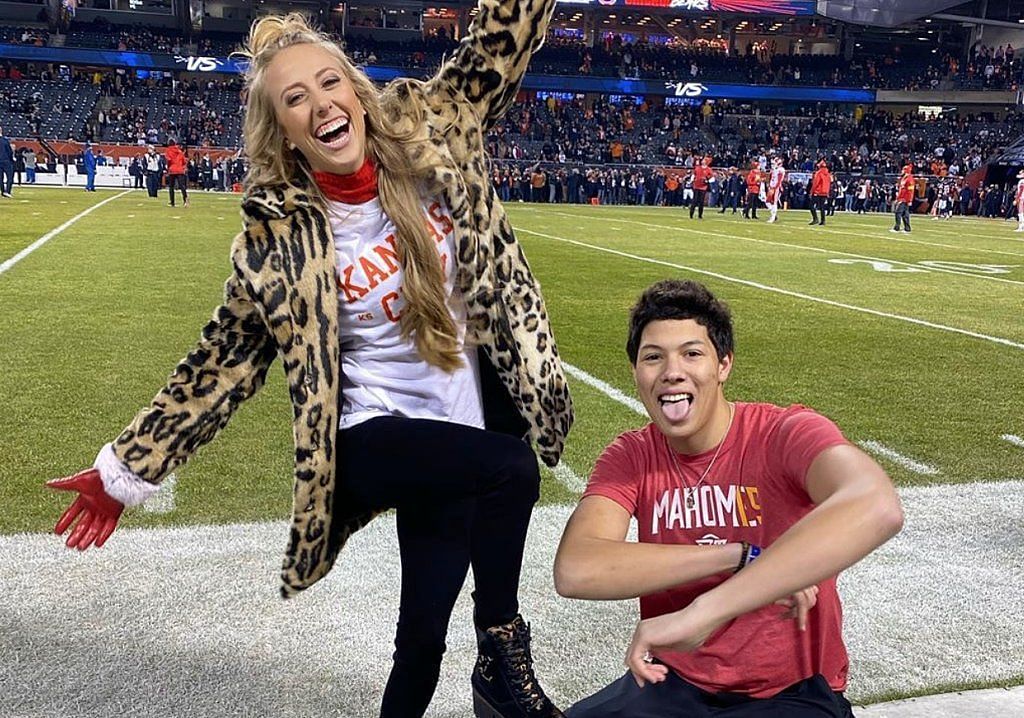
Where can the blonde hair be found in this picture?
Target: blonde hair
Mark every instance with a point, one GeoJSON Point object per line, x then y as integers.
{"type": "Point", "coordinates": [403, 170]}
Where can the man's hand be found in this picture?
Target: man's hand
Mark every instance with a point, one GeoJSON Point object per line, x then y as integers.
{"type": "Point", "coordinates": [97, 512]}
{"type": "Point", "coordinates": [799, 605]}
{"type": "Point", "coordinates": [684, 630]}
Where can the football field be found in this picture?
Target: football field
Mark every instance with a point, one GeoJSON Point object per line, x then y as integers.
{"type": "Point", "coordinates": [912, 343]}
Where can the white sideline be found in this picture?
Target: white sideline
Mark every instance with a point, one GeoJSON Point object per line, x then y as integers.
{"type": "Point", "coordinates": [54, 232]}
{"type": "Point", "coordinates": [918, 467]}
{"type": "Point", "coordinates": [186, 621]}
{"type": "Point", "coordinates": [777, 290]}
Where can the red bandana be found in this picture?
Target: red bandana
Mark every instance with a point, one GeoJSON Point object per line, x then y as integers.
{"type": "Point", "coordinates": [356, 188]}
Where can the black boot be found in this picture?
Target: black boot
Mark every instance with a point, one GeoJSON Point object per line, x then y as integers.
{"type": "Point", "coordinates": [504, 685]}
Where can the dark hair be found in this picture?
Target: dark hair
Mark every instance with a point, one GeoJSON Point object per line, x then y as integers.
{"type": "Point", "coordinates": [680, 299]}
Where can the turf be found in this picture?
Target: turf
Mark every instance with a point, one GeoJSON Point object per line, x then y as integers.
{"type": "Point", "coordinates": [95, 319]}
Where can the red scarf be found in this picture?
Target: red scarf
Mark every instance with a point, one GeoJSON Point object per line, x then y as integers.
{"type": "Point", "coordinates": [356, 188]}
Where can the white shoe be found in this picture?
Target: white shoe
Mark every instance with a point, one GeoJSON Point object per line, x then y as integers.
{"type": "Point", "coordinates": [895, 231]}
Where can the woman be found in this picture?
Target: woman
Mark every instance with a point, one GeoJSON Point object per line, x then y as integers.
{"type": "Point", "coordinates": [377, 262]}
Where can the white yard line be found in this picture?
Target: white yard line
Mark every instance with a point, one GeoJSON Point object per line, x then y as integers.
{"type": "Point", "coordinates": [803, 247]}
{"type": "Point", "coordinates": [887, 236]}
{"type": "Point", "coordinates": [605, 388]}
{"type": "Point", "coordinates": [777, 290]}
{"type": "Point", "coordinates": [918, 467]}
{"type": "Point", "coordinates": [569, 478]}
{"type": "Point", "coordinates": [1013, 439]}
{"type": "Point", "coordinates": [54, 232]}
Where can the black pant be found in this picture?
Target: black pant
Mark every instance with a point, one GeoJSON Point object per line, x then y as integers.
{"type": "Point", "coordinates": [6, 177]}
{"type": "Point", "coordinates": [178, 182]}
{"type": "Point", "coordinates": [152, 183]}
{"type": "Point", "coordinates": [818, 205]}
{"type": "Point", "coordinates": [699, 196]}
{"type": "Point", "coordinates": [676, 698]}
{"type": "Point", "coordinates": [750, 207]}
{"type": "Point", "coordinates": [464, 497]}
{"type": "Point", "coordinates": [902, 213]}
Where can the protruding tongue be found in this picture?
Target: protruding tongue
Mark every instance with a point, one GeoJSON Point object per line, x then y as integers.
{"type": "Point", "coordinates": [677, 411]}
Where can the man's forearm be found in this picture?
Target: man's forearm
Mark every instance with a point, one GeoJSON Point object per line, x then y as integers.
{"type": "Point", "coordinates": [605, 569]}
{"type": "Point", "coordinates": [834, 536]}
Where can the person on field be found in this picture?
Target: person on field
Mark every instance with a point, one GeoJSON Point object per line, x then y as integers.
{"type": "Point", "coordinates": [741, 507]}
{"type": "Point", "coordinates": [905, 188]}
{"type": "Point", "coordinates": [377, 262]}
{"type": "Point", "coordinates": [6, 165]}
{"type": "Point", "coordinates": [821, 185]}
{"type": "Point", "coordinates": [177, 165]}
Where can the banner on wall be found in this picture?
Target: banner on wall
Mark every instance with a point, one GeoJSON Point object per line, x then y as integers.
{"type": "Point", "coordinates": [690, 90]}
{"type": "Point", "coordinates": [748, 7]}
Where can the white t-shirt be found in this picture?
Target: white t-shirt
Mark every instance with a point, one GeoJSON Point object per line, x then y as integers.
{"type": "Point", "coordinates": [382, 373]}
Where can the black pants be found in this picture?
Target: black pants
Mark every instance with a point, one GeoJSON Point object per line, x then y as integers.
{"type": "Point", "coordinates": [750, 207]}
{"type": "Point", "coordinates": [152, 183]}
{"type": "Point", "coordinates": [818, 205]}
{"type": "Point", "coordinates": [732, 199]}
{"type": "Point", "coordinates": [464, 497]}
{"type": "Point", "coordinates": [676, 698]}
{"type": "Point", "coordinates": [902, 214]}
{"type": "Point", "coordinates": [6, 177]}
{"type": "Point", "coordinates": [699, 196]}
{"type": "Point", "coordinates": [178, 182]}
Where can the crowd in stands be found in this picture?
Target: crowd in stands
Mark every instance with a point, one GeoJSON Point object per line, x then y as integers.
{"type": "Point", "coordinates": [703, 60]}
{"type": "Point", "coordinates": [879, 142]}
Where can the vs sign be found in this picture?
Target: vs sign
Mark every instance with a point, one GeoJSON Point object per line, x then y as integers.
{"type": "Point", "coordinates": [686, 89]}
{"type": "Point", "coordinates": [199, 64]}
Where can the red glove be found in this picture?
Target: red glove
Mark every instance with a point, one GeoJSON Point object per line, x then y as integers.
{"type": "Point", "coordinates": [99, 511]}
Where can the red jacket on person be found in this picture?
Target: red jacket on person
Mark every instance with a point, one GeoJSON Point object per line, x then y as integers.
{"type": "Point", "coordinates": [176, 162]}
{"type": "Point", "coordinates": [701, 175]}
{"type": "Point", "coordinates": [821, 185]}
{"type": "Point", "coordinates": [905, 192]}
{"type": "Point", "coordinates": [754, 181]}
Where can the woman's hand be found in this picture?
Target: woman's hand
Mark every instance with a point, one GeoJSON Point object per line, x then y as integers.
{"type": "Point", "coordinates": [97, 512]}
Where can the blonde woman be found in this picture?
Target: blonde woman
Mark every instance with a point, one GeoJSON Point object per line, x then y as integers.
{"type": "Point", "coordinates": [378, 264]}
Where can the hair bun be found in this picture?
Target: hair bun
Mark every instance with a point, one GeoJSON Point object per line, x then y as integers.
{"type": "Point", "coordinates": [274, 32]}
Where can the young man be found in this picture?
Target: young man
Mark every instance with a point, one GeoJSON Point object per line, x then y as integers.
{"type": "Point", "coordinates": [774, 195]}
{"type": "Point", "coordinates": [1018, 201]}
{"type": "Point", "coordinates": [709, 482]}
{"type": "Point", "coordinates": [904, 199]}
{"type": "Point", "coordinates": [702, 174]}
{"type": "Point", "coordinates": [754, 180]}
{"type": "Point", "coordinates": [6, 165]}
{"type": "Point", "coordinates": [821, 185]}
{"type": "Point", "coordinates": [89, 163]}
{"type": "Point", "coordinates": [177, 166]}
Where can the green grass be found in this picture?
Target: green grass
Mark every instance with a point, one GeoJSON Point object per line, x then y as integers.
{"type": "Point", "coordinates": [94, 321]}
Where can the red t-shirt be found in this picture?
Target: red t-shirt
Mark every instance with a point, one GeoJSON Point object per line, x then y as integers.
{"type": "Point", "coordinates": [701, 175]}
{"type": "Point", "coordinates": [754, 492]}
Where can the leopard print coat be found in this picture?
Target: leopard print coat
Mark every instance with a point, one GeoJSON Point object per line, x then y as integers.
{"type": "Point", "coordinates": [281, 299]}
